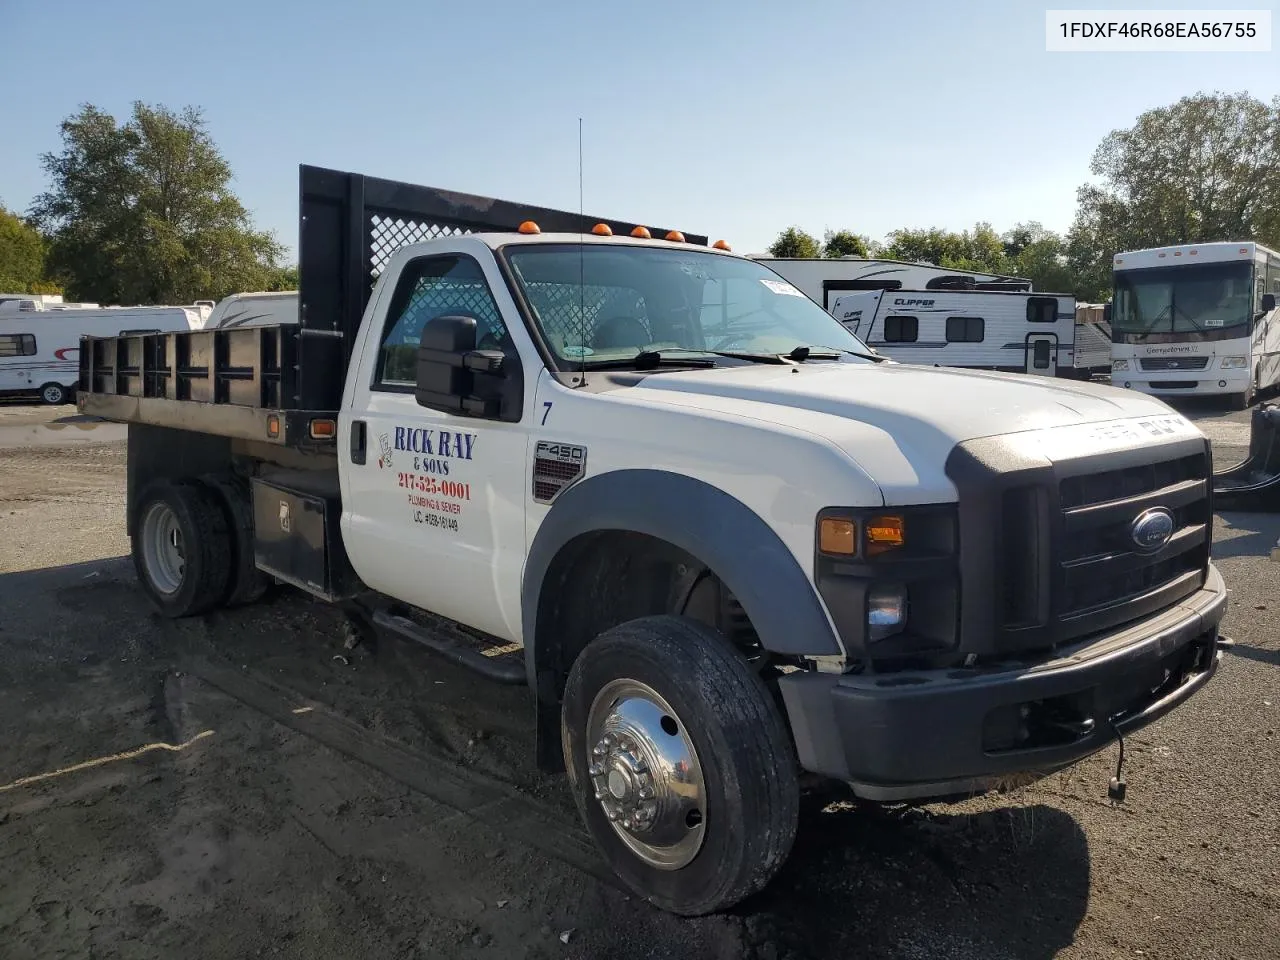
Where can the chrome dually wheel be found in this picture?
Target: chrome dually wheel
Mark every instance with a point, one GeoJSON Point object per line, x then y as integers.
{"type": "Point", "coordinates": [646, 774]}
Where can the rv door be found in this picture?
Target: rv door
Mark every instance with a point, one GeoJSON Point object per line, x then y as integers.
{"type": "Point", "coordinates": [1042, 354]}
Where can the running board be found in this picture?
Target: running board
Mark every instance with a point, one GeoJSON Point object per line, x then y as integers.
{"type": "Point", "coordinates": [1254, 483]}
{"type": "Point", "coordinates": [503, 668]}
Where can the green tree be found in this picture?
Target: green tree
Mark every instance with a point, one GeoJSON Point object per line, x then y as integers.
{"type": "Point", "coordinates": [1203, 169]}
{"type": "Point", "coordinates": [845, 243]}
{"type": "Point", "coordinates": [22, 254]}
{"type": "Point", "coordinates": [283, 278]}
{"type": "Point", "coordinates": [142, 212]}
{"type": "Point", "coordinates": [980, 249]}
{"type": "Point", "coordinates": [794, 243]}
{"type": "Point", "coordinates": [1040, 255]}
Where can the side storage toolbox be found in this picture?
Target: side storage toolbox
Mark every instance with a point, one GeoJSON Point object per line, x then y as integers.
{"type": "Point", "coordinates": [298, 539]}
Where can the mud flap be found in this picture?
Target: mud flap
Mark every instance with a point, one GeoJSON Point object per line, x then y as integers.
{"type": "Point", "coordinates": [1254, 483]}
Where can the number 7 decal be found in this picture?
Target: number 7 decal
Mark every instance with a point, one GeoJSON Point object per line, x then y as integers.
{"type": "Point", "coordinates": [546, 412]}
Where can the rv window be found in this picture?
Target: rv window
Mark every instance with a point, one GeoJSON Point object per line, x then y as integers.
{"type": "Point", "coordinates": [18, 345]}
{"type": "Point", "coordinates": [1042, 310]}
{"type": "Point", "coordinates": [901, 329]}
{"type": "Point", "coordinates": [965, 329]}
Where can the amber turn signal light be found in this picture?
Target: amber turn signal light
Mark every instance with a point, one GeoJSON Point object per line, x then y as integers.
{"type": "Point", "coordinates": [884, 533]}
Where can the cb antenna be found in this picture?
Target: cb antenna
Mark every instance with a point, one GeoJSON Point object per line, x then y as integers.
{"type": "Point", "coordinates": [582, 269]}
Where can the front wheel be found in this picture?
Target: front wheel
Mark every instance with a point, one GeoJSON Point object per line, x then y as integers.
{"type": "Point", "coordinates": [1242, 401]}
{"type": "Point", "coordinates": [680, 763]}
{"type": "Point", "coordinates": [54, 394]}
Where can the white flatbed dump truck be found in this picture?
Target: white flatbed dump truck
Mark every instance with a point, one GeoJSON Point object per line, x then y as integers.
{"type": "Point", "coordinates": [727, 544]}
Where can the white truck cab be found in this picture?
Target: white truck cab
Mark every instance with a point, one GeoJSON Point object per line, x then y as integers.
{"type": "Point", "coordinates": [722, 541]}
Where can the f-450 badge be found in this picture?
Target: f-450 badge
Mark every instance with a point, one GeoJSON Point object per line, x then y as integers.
{"type": "Point", "coordinates": [556, 467]}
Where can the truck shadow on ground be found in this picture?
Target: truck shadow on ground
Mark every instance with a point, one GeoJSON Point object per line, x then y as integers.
{"type": "Point", "coordinates": [863, 880]}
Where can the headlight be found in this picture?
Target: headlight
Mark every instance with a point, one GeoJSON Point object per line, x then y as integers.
{"type": "Point", "coordinates": [1119, 364]}
{"type": "Point", "coordinates": [1234, 363]}
{"type": "Point", "coordinates": [886, 611]}
{"type": "Point", "coordinates": [868, 562]}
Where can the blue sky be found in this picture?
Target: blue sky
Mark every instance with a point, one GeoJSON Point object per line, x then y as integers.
{"type": "Point", "coordinates": [734, 119]}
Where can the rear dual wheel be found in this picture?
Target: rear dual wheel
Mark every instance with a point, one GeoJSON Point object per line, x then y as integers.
{"type": "Point", "coordinates": [182, 547]}
{"type": "Point", "coordinates": [680, 764]}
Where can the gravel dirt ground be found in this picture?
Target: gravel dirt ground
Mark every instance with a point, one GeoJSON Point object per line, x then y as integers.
{"type": "Point", "coordinates": [244, 785]}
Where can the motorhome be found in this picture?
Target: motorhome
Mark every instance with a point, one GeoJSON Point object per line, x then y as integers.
{"type": "Point", "coordinates": [1197, 320]}
{"type": "Point", "coordinates": [924, 314]}
{"type": "Point", "coordinates": [40, 343]}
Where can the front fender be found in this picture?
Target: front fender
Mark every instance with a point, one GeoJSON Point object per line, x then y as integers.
{"type": "Point", "coordinates": [707, 523]}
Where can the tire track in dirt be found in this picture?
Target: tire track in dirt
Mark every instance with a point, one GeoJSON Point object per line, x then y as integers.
{"type": "Point", "coordinates": [487, 800]}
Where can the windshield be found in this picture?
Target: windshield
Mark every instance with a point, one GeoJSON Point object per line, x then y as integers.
{"type": "Point", "coordinates": [1198, 302]}
{"type": "Point", "coordinates": [605, 303]}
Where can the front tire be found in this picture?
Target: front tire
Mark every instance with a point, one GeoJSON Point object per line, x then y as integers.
{"type": "Point", "coordinates": [1242, 401]}
{"type": "Point", "coordinates": [182, 548]}
{"type": "Point", "coordinates": [54, 394]}
{"type": "Point", "coordinates": [680, 763]}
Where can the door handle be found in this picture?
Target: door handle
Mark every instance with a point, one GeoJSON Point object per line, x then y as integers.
{"type": "Point", "coordinates": [357, 441]}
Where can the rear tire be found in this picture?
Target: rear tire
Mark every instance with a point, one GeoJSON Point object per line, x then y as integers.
{"type": "Point", "coordinates": [54, 394]}
{"type": "Point", "coordinates": [182, 548]}
{"type": "Point", "coordinates": [674, 691]}
{"type": "Point", "coordinates": [248, 583]}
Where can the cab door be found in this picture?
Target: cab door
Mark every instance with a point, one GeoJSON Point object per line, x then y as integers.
{"type": "Point", "coordinates": [433, 502]}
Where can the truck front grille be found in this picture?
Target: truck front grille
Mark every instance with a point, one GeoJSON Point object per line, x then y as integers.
{"type": "Point", "coordinates": [1173, 363]}
{"type": "Point", "coordinates": [1099, 568]}
{"type": "Point", "coordinates": [1047, 547]}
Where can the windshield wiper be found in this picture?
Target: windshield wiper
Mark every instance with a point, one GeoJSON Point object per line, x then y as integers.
{"type": "Point", "coordinates": [1146, 332]}
{"type": "Point", "coordinates": [808, 355]}
{"type": "Point", "coordinates": [654, 357]}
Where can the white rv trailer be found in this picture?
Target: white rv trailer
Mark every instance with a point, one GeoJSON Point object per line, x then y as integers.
{"type": "Point", "coordinates": [820, 278]}
{"type": "Point", "coordinates": [253, 310]}
{"type": "Point", "coordinates": [1014, 332]}
{"type": "Point", "coordinates": [1198, 319]}
{"type": "Point", "coordinates": [947, 317]}
{"type": "Point", "coordinates": [40, 348]}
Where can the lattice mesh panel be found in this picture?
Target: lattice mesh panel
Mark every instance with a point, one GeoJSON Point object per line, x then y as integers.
{"type": "Point", "coordinates": [568, 313]}
{"type": "Point", "coordinates": [389, 234]}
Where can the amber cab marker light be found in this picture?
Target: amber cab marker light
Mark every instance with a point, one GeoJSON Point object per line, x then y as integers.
{"type": "Point", "coordinates": [675, 236]}
{"type": "Point", "coordinates": [529, 227]}
{"type": "Point", "coordinates": [721, 245]}
{"type": "Point", "coordinates": [322, 429]}
{"type": "Point", "coordinates": [273, 426]}
{"type": "Point", "coordinates": [838, 536]}
{"type": "Point", "coordinates": [884, 533]}
{"type": "Point", "coordinates": [642, 233]}
{"type": "Point", "coordinates": [602, 230]}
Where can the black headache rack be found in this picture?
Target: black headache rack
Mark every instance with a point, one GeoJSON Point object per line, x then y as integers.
{"type": "Point", "coordinates": [273, 383]}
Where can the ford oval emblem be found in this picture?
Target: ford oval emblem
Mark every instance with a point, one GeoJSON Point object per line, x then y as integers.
{"type": "Point", "coordinates": [1152, 529]}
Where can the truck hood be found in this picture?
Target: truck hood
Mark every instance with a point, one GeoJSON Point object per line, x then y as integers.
{"type": "Point", "coordinates": [900, 422]}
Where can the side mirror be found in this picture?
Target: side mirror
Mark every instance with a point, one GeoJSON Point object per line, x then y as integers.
{"type": "Point", "coordinates": [451, 371]}
{"type": "Point", "coordinates": [1268, 302]}
{"type": "Point", "coordinates": [1106, 313]}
